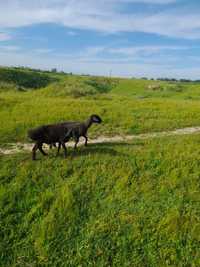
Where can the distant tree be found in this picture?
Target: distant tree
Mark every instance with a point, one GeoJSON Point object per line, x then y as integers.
{"type": "Point", "coordinates": [185, 80]}
{"type": "Point", "coordinates": [54, 70]}
{"type": "Point", "coordinates": [167, 79]}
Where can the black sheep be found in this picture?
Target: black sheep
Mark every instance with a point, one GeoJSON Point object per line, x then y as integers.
{"type": "Point", "coordinates": [78, 129]}
{"type": "Point", "coordinates": [60, 133]}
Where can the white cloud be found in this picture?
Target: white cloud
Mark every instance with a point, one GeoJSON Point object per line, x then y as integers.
{"type": "Point", "coordinates": [104, 16]}
{"type": "Point", "coordinates": [10, 48]}
{"type": "Point", "coordinates": [43, 50]}
{"type": "Point", "coordinates": [89, 61]}
{"type": "Point", "coordinates": [5, 36]}
{"type": "Point", "coordinates": [145, 50]}
{"type": "Point", "coordinates": [163, 2]}
{"type": "Point", "coordinates": [72, 33]}
{"type": "Point", "coordinates": [160, 2]}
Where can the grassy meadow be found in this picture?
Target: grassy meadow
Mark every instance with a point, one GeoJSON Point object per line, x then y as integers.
{"type": "Point", "coordinates": [133, 204]}
{"type": "Point", "coordinates": [127, 106]}
{"type": "Point", "coordinates": [122, 204]}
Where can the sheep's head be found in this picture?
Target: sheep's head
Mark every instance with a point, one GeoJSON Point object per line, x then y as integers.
{"type": "Point", "coordinates": [95, 118]}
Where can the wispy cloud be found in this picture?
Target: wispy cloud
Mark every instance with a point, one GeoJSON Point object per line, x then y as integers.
{"type": "Point", "coordinates": [72, 33]}
{"type": "Point", "coordinates": [5, 36]}
{"type": "Point", "coordinates": [144, 50]}
{"type": "Point", "coordinates": [161, 2]}
{"type": "Point", "coordinates": [10, 48]}
{"type": "Point", "coordinates": [43, 50]}
{"type": "Point", "coordinates": [140, 37]}
{"type": "Point", "coordinates": [100, 66]}
{"type": "Point", "coordinates": [103, 16]}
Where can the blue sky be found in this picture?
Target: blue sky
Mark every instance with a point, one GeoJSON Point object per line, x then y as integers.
{"type": "Point", "coordinates": [152, 38]}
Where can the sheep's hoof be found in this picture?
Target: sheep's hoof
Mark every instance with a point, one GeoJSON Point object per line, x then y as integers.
{"type": "Point", "coordinates": [74, 153]}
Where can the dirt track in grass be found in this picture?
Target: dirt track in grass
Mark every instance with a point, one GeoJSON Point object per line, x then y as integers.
{"type": "Point", "coordinates": [13, 148]}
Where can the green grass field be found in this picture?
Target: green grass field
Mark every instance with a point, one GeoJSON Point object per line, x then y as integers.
{"type": "Point", "coordinates": [133, 204]}
{"type": "Point", "coordinates": [126, 106]}
{"type": "Point", "coordinates": [130, 204]}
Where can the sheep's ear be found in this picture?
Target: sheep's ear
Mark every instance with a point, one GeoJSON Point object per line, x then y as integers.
{"type": "Point", "coordinates": [97, 119]}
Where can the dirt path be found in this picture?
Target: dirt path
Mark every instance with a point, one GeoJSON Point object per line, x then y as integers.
{"type": "Point", "coordinates": [21, 147]}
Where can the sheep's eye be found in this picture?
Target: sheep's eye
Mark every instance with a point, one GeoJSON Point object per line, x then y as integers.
{"type": "Point", "coordinates": [96, 119]}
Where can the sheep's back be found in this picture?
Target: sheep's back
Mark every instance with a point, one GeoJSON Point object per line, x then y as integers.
{"type": "Point", "coordinates": [38, 133]}
{"type": "Point", "coordinates": [54, 132]}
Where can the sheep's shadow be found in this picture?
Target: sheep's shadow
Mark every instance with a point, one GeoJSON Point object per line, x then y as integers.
{"type": "Point", "coordinates": [95, 149]}
{"type": "Point", "coordinates": [117, 144]}
{"type": "Point", "coordinates": [86, 151]}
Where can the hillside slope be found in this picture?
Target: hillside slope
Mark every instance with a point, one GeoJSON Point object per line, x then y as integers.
{"type": "Point", "coordinates": [127, 106]}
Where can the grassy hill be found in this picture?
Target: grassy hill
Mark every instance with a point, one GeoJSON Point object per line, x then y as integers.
{"type": "Point", "coordinates": [127, 106]}
{"type": "Point", "coordinates": [122, 204]}
{"type": "Point", "coordinates": [25, 78]}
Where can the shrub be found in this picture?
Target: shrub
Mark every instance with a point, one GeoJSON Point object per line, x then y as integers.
{"type": "Point", "coordinates": [166, 87]}
{"type": "Point", "coordinates": [5, 86]}
{"type": "Point", "coordinates": [80, 92]}
{"type": "Point", "coordinates": [25, 78]}
{"type": "Point", "coordinates": [70, 87]}
{"type": "Point", "coordinates": [102, 85]}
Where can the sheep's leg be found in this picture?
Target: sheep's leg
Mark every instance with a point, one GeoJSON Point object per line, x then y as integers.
{"type": "Point", "coordinates": [65, 149]}
{"type": "Point", "coordinates": [35, 148]}
{"type": "Point", "coordinates": [86, 140]}
{"type": "Point", "coordinates": [41, 150]}
{"type": "Point", "coordinates": [52, 145]}
{"type": "Point", "coordinates": [76, 142]}
{"type": "Point", "coordinates": [59, 146]}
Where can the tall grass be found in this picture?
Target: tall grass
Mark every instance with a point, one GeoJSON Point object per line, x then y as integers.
{"type": "Point", "coordinates": [134, 204]}
{"type": "Point", "coordinates": [131, 204]}
{"type": "Point", "coordinates": [128, 112]}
